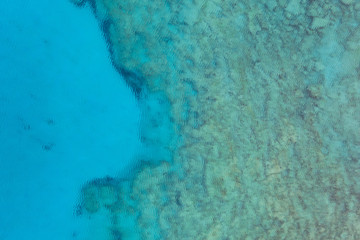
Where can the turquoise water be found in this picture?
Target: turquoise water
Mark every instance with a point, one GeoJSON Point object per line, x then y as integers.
{"type": "Point", "coordinates": [66, 116]}
{"type": "Point", "coordinates": [199, 120]}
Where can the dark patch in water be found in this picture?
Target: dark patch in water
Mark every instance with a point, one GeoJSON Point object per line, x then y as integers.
{"type": "Point", "coordinates": [135, 82]}
{"type": "Point", "coordinates": [79, 3]}
{"type": "Point", "coordinates": [177, 198]}
{"type": "Point", "coordinates": [78, 211]}
{"type": "Point", "coordinates": [116, 234]}
{"type": "Point", "coordinates": [50, 121]}
{"type": "Point", "coordinates": [105, 181]}
{"type": "Point", "coordinates": [47, 147]}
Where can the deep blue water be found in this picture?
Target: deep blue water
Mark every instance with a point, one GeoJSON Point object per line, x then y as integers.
{"type": "Point", "coordinates": [66, 116]}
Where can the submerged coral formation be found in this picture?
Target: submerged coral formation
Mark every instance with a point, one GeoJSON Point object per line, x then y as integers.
{"type": "Point", "coordinates": [264, 106]}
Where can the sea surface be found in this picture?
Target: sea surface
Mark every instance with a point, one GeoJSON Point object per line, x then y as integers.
{"type": "Point", "coordinates": [180, 120]}
{"type": "Point", "coordinates": [66, 117]}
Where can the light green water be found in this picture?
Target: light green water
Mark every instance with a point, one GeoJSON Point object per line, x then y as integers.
{"type": "Point", "coordinates": [261, 134]}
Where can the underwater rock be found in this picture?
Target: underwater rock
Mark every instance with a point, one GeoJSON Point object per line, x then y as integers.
{"type": "Point", "coordinates": [318, 22]}
{"type": "Point", "coordinates": [78, 2]}
{"type": "Point", "coordinates": [314, 91]}
{"type": "Point", "coordinates": [257, 158]}
{"type": "Point", "coordinates": [104, 192]}
{"type": "Point", "coordinates": [348, 2]}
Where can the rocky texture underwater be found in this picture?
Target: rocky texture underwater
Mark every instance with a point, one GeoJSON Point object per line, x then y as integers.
{"type": "Point", "coordinates": [260, 138]}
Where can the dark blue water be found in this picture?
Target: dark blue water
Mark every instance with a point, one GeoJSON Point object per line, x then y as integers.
{"type": "Point", "coordinates": [66, 116]}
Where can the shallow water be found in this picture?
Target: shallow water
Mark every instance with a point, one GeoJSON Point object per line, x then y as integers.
{"type": "Point", "coordinates": [247, 113]}
{"type": "Point", "coordinates": [263, 103]}
{"type": "Point", "coordinates": [66, 116]}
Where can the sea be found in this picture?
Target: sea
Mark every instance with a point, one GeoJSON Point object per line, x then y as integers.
{"type": "Point", "coordinates": [66, 116]}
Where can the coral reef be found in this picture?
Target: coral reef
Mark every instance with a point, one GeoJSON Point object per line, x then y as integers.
{"type": "Point", "coordinates": [265, 96]}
